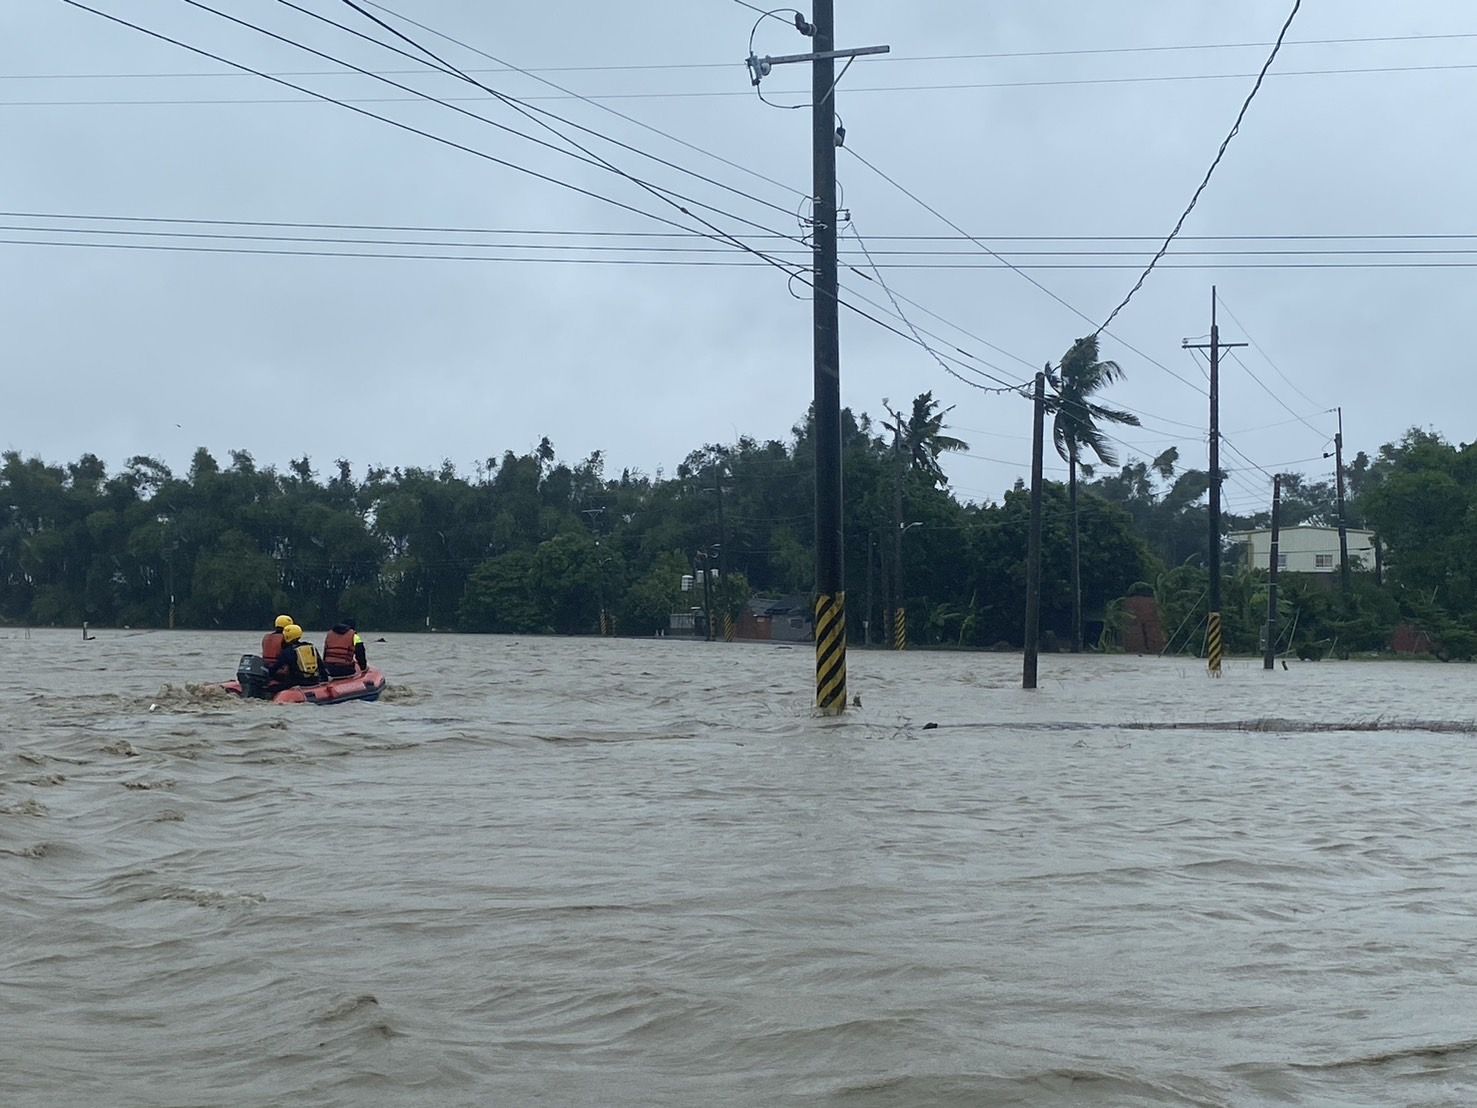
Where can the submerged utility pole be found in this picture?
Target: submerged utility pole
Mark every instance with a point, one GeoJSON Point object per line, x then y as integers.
{"type": "Point", "coordinates": [1269, 652]}
{"type": "Point", "coordinates": [1338, 453]}
{"type": "Point", "coordinates": [1213, 632]}
{"type": "Point", "coordinates": [830, 586]}
{"type": "Point", "coordinates": [899, 628]}
{"type": "Point", "coordinates": [1033, 541]}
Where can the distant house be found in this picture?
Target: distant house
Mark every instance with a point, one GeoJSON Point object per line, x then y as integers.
{"type": "Point", "coordinates": [779, 619]}
{"type": "Point", "coordinates": [1311, 550]}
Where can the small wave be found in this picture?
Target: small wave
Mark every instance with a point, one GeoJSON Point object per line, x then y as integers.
{"type": "Point", "coordinates": [44, 780]}
{"type": "Point", "coordinates": [122, 747]}
{"type": "Point", "coordinates": [399, 694]}
{"type": "Point", "coordinates": [188, 695]}
{"type": "Point", "coordinates": [363, 1013]}
{"type": "Point", "coordinates": [25, 808]}
{"type": "Point", "coordinates": [348, 1006]}
{"type": "Point", "coordinates": [1072, 1086]}
{"type": "Point", "coordinates": [1427, 1052]}
{"type": "Point", "coordinates": [37, 850]}
{"type": "Point", "coordinates": [143, 786]}
{"type": "Point", "coordinates": [207, 898]}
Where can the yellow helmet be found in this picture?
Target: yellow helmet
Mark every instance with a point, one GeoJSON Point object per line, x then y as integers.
{"type": "Point", "coordinates": [291, 633]}
{"type": "Point", "coordinates": [283, 621]}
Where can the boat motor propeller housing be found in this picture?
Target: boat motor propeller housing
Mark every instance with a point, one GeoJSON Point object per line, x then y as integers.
{"type": "Point", "coordinates": [252, 674]}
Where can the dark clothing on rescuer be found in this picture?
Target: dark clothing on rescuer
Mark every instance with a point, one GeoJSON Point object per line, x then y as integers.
{"type": "Point", "coordinates": [343, 651]}
{"type": "Point", "coordinates": [300, 664]}
{"type": "Point", "coordinates": [272, 646]}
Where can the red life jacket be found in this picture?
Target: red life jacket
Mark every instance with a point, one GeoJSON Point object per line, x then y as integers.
{"type": "Point", "coordinates": [338, 649]}
{"type": "Point", "coordinates": [271, 647]}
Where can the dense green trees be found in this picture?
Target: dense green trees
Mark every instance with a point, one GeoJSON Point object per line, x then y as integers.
{"type": "Point", "coordinates": [528, 543]}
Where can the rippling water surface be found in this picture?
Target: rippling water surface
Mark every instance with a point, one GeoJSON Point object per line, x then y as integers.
{"type": "Point", "coordinates": [614, 872]}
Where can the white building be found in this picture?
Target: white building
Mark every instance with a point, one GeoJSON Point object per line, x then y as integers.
{"type": "Point", "coordinates": [1305, 549]}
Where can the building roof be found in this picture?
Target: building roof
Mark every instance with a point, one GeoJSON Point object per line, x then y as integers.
{"type": "Point", "coordinates": [799, 604]}
{"type": "Point", "coordinates": [1303, 528]}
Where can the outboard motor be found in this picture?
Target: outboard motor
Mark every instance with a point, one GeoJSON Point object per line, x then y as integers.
{"type": "Point", "coordinates": [252, 674]}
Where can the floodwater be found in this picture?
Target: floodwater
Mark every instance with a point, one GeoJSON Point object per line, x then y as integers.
{"type": "Point", "coordinates": [613, 872]}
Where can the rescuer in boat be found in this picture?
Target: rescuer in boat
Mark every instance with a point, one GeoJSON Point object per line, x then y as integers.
{"type": "Point", "coordinates": [300, 663]}
{"type": "Point", "coordinates": [272, 641]}
{"type": "Point", "coordinates": [343, 650]}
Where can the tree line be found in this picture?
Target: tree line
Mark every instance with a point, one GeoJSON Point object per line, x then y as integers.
{"type": "Point", "coordinates": [530, 543]}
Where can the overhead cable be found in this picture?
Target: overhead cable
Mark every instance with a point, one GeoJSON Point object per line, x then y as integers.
{"type": "Point", "coordinates": [1221, 153]}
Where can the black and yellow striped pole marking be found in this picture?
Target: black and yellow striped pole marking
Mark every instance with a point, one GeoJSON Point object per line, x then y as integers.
{"type": "Point", "coordinates": [900, 629]}
{"type": "Point", "coordinates": [1213, 639]}
{"type": "Point", "coordinates": [727, 627]}
{"type": "Point", "coordinates": [830, 653]}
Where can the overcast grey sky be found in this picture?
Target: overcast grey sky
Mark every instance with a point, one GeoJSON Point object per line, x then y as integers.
{"type": "Point", "coordinates": [126, 351]}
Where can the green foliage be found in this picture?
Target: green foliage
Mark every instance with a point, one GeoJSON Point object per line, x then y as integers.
{"type": "Point", "coordinates": [530, 543]}
{"type": "Point", "coordinates": [651, 599]}
{"type": "Point", "coordinates": [499, 595]}
{"type": "Point", "coordinates": [731, 594]}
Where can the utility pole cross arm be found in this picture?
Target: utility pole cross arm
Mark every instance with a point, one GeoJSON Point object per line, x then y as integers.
{"type": "Point", "coordinates": [823, 55]}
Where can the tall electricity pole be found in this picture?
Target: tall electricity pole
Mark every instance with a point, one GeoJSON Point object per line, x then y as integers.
{"type": "Point", "coordinates": [1033, 541]}
{"type": "Point", "coordinates": [1338, 453]}
{"type": "Point", "coordinates": [1269, 652]}
{"type": "Point", "coordinates": [1215, 346]}
{"type": "Point", "coordinates": [830, 586]}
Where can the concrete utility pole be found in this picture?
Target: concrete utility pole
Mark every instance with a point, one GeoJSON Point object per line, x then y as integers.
{"type": "Point", "coordinates": [707, 561]}
{"type": "Point", "coordinates": [1215, 346]}
{"type": "Point", "coordinates": [1338, 453]}
{"type": "Point", "coordinates": [1269, 652]}
{"type": "Point", "coordinates": [899, 627]}
{"type": "Point", "coordinates": [722, 536]}
{"type": "Point", "coordinates": [1033, 541]}
{"type": "Point", "coordinates": [830, 588]}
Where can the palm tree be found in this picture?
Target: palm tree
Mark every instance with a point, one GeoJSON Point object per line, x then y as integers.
{"type": "Point", "coordinates": [917, 443]}
{"type": "Point", "coordinates": [1075, 427]}
{"type": "Point", "coordinates": [922, 437]}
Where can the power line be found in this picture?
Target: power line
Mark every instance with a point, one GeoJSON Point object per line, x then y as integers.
{"type": "Point", "coordinates": [1221, 153]}
{"type": "Point", "coordinates": [1297, 417]}
{"type": "Point", "coordinates": [1019, 270]}
{"type": "Point", "coordinates": [451, 143]}
{"type": "Point", "coordinates": [725, 93]}
{"type": "Point", "coordinates": [545, 260]}
{"type": "Point", "coordinates": [588, 100]}
{"type": "Point", "coordinates": [1258, 347]}
{"type": "Point", "coordinates": [766, 14]}
{"type": "Point", "coordinates": [1322, 435]}
{"type": "Point", "coordinates": [686, 233]}
{"type": "Point", "coordinates": [962, 330]}
{"type": "Point", "coordinates": [663, 66]}
{"type": "Point", "coordinates": [909, 323]}
{"type": "Point", "coordinates": [765, 259]}
{"type": "Point", "coordinates": [793, 271]}
{"type": "Point", "coordinates": [588, 155]}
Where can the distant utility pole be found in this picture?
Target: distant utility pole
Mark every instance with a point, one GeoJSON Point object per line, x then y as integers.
{"type": "Point", "coordinates": [1338, 453]}
{"type": "Point", "coordinates": [707, 561]}
{"type": "Point", "coordinates": [1215, 346]}
{"type": "Point", "coordinates": [899, 628]}
{"type": "Point", "coordinates": [722, 537]}
{"type": "Point", "coordinates": [1033, 541]}
{"type": "Point", "coordinates": [830, 587]}
{"type": "Point", "coordinates": [592, 516]}
{"type": "Point", "coordinates": [1269, 652]}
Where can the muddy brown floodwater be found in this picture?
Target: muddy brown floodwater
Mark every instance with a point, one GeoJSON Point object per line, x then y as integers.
{"type": "Point", "coordinates": [614, 872]}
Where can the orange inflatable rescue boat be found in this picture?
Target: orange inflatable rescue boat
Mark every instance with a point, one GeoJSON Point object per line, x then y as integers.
{"type": "Point", "coordinates": [251, 684]}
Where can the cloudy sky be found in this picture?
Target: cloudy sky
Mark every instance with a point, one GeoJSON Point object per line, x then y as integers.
{"type": "Point", "coordinates": [1023, 123]}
